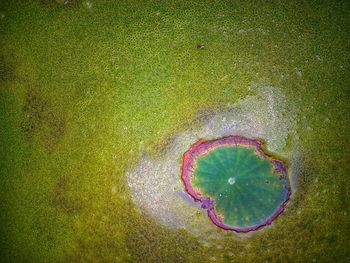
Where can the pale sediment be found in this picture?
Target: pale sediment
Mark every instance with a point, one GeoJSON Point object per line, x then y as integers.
{"type": "Point", "coordinates": [155, 183]}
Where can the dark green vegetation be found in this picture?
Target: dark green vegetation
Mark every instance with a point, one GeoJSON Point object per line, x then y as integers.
{"type": "Point", "coordinates": [81, 87]}
{"type": "Point", "coordinates": [243, 185]}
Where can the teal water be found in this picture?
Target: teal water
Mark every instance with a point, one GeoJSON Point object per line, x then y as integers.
{"type": "Point", "coordinates": [243, 185]}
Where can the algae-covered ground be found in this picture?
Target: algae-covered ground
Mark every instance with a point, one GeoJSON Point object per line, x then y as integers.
{"type": "Point", "coordinates": [87, 88]}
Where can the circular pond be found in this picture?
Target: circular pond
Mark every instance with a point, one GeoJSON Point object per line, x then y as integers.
{"type": "Point", "coordinates": [242, 187]}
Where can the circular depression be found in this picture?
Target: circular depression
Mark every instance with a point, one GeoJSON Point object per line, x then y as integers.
{"type": "Point", "coordinates": [155, 183]}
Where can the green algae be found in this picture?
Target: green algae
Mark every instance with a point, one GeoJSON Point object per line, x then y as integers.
{"type": "Point", "coordinates": [119, 73]}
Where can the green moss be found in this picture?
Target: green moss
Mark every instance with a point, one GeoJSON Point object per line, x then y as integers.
{"type": "Point", "coordinates": [96, 81]}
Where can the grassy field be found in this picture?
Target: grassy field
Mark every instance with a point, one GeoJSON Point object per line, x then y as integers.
{"type": "Point", "coordinates": [86, 87]}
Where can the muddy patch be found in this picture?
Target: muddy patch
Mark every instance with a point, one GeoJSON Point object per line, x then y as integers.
{"type": "Point", "coordinates": [7, 71]}
{"type": "Point", "coordinates": [64, 197]}
{"type": "Point", "coordinates": [42, 120]}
